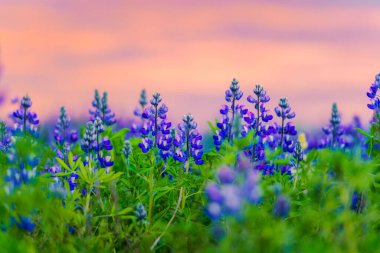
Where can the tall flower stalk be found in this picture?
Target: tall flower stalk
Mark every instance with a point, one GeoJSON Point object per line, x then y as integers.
{"type": "Point", "coordinates": [334, 130]}
{"type": "Point", "coordinates": [228, 112]}
{"type": "Point", "coordinates": [155, 121]}
{"type": "Point", "coordinates": [255, 121]}
{"type": "Point", "coordinates": [23, 117]}
{"type": "Point", "coordinates": [284, 112]}
{"type": "Point", "coordinates": [101, 109]}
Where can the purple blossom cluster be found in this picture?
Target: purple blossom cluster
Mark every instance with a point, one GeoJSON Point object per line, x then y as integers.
{"type": "Point", "coordinates": [101, 109]}
{"type": "Point", "coordinates": [5, 137]}
{"type": "Point", "coordinates": [62, 132]}
{"type": "Point", "coordinates": [138, 112]}
{"type": "Point", "coordinates": [286, 131]}
{"type": "Point", "coordinates": [155, 122]}
{"type": "Point", "coordinates": [95, 146]}
{"type": "Point", "coordinates": [181, 144]}
{"type": "Point", "coordinates": [373, 96]}
{"type": "Point", "coordinates": [187, 141]}
{"type": "Point", "coordinates": [258, 122]}
{"type": "Point", "coordinates": [236, 187]}
{"type": "Point", "coordinates": [334, 131]}
{"type": "Point", "coordinates": [230, 114]}
{"type": "Point", "coordinates": [24, 119]}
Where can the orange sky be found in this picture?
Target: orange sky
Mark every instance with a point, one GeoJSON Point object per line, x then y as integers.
{"type": "Point", "coordinates": [314, 53]}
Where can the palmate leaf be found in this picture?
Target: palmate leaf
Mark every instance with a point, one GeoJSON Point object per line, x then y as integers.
{"type": "Point", "coordinates": [63, 164]}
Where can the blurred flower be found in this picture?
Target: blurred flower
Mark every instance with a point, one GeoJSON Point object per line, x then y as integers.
{"type": "Point", "coordinates": [24, 119]}
{"type": "Point", "coordinates": [143, 100]}
{"type": "Point", "coordinates": [18, 176]}
{"type": "Point", "coordinates": [139, 111]}
{"type": "Point", "coordinates": [226, 175]}
{"type": "Point", "coordinates": [281, 207]}
{"type": "Point", "coordinates": [101, 109]}
{"type": "Point", "coordinates": [140, 213]}
{"type": "Point", "coordinates": [5, 137]}
{"type": "Point", "coordinates": [303, 141]}
{"type": "Point", "coordinates": [228, 197]}
{"type": "Point", "coordinates": [25, 223]}
{"type": "Point", "coordinates": [357, 202]}
{"type": "Point", "coordinates": [127, 149]}
{"type": "Point", "coordinates": [298, 154]}
{"type": "Point", "coordinates": [62, 131]}
{"type": "Point", "coordinates": [334, 131]}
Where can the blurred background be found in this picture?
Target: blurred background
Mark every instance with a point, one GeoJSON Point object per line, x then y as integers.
{"type": "Point", "coordinates": [312, 52]}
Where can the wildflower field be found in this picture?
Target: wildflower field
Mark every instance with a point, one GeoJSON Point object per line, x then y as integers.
{"type": "Point", "coordinates": [252, 183]}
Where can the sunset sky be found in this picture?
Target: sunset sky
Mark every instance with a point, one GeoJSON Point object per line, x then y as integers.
{"type": "Point", "coordinates": [312, 52]}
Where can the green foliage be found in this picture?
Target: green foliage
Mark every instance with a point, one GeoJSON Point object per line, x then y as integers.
{"type": "Point", "coordinates": [102, 218]}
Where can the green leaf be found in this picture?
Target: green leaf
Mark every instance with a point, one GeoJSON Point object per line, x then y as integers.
{"type": "Point", "coordinates": [120, 134]}
{"type": "Point", "coordinates": [63, 164]}
{"type": "Point", "coordinates": [244, 142]}
{"type": "Point", "coordinates": [361, 131]}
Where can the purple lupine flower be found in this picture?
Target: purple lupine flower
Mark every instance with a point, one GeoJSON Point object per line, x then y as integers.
{"type": "Point", "coordinates": [226, 175]}
{"type": "Point", "coordinates": [25, 224]}
{"type": "Point", "coordinates": [257, 122]}
{"type": "Point", "coordinates": [226, 124]}
{"type": "Point", "coordinates": [24, 119]}
{"type": "Point", "coordinates": [165, 140]}
{"type": "Point", "coordinates": [229, 196]}
{"type": "Point", "coordinates": [146, 144]}
{"type": "Point", "coordinates": [155, 122]}
{"type": "Point", "coordinates": [334, 130]}
{"type": "Point", "coordinates": [281, 207]}
{"type": "Point", "coordinates": [88, 142]}
{"type": "Point", "coordinates": [373, 96]}
{"type": "Point", "coordinates": [14, 100]}
{"type": "Point", "coordinates": [18, 176]}
{"type": "Point", "coordinates": [5, 137]}
{"type": "Point", "coordinates": [297, 154]}
{"type": "Point", "coordinates": [62, 132]}
{"type": "Point", "coordinates": [101, 109]}
{"type": "Point", "coordinates": [72, 181]}
{"type": "Point", "coordinates": [138, 111]}
{"type": "Point", "coordinates": [187, 142]}
{"type": "Point", "coordinates": [140, 212]}
{"type": "Point", "coordinates": [357, 202]}
{"type": "Point", "coordinates": [286, 130]}
{"type": "Point", "coordinates": [127, 149]}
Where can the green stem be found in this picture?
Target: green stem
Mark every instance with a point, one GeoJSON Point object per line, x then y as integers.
{"type": "Point", "coordinates": [151, 200]}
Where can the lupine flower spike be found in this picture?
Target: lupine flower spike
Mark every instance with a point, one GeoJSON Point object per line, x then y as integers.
{"type": "Point", "coordinates": [5, 137]}
{"type": "Point", "coordinates": [286, 130]}
{"type": "Point", "coordinates": [334, 131]}
{"type": "Point", "coordinates": [127, 149]}
{"type": "Point", "coordinates": [156, 127]}
{"type": "Point", "coordinates": [101, 109]}
{"type": "Point", "coordinates": [62, 132]}
{"type": "Point", "coordinates": [187, 141]}
{"type": "Point", "coordinates": [25, 119]}
{"type": "Point", "coordinates": [229, 115]}
{"type": "Point", "coordinates": [256, 121]}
